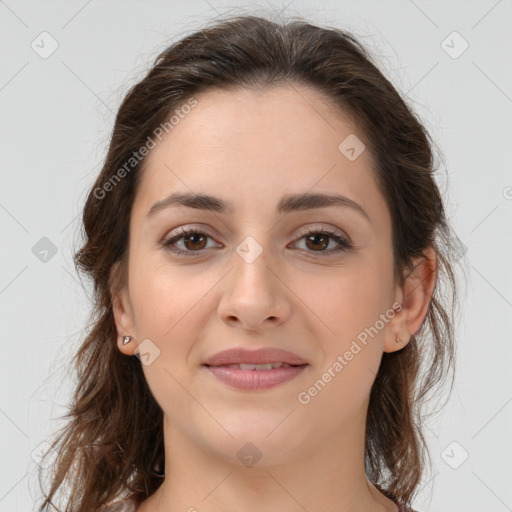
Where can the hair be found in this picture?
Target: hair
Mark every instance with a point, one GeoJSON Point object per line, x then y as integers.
{"type": "Point", "coordinates": [100, 454]}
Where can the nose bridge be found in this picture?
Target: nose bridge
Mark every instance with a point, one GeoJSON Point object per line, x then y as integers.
{"type": "Point", "coordinates": [253, 293]}
{"type": "Point", "coordinates": [251, 266]}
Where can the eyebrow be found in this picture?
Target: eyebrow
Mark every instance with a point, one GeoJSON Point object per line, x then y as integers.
{"type": "Point", "coordinates": [288, 203]}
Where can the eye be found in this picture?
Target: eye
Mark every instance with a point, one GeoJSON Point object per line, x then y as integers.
{"type": "Point", "coordinates": [194, 241]}
{"type": "Point", "coordinates": [192, 237]}
{"type": "Point", "coordinates": [319, 238]}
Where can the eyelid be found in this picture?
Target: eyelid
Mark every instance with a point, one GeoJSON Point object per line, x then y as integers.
{"type": "Point", "coordinates": [320, 226]}
{"type": "Point", "coordinates": [303, 230]}
{"type": "Point", "coordinates": [343, 241]}
{"type": "Point", "coordinates": [182, 231]}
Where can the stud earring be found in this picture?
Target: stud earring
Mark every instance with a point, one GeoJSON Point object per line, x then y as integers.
{"type": "Point", "coordinates": [126, 339]}
{"type": "Point", "coordinates": [398, 340]}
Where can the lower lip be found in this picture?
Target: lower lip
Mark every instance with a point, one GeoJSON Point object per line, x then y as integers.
{"type": "Point", "coordinates": [255, 379]}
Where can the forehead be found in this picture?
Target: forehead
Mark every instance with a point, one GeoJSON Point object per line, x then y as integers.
{"type": "Point", "coordinates": [253, 146]}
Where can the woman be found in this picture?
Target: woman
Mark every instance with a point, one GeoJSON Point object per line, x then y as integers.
{"type": "Point", "coordinates": [266, 240]}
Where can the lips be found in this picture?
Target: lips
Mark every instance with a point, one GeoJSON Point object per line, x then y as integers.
{"type": "Point", "coordinates": [255, 380]}
{"type": "Point", "coordinates": [255, 357]}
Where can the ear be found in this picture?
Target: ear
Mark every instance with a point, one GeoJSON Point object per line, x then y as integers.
{"type": "Point", "coordinates": [414, 297]}
{"type": "Point", "coordinates": [122, 309]}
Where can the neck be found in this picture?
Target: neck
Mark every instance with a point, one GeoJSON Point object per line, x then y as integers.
{"type": "Point", "coordinates": [325, 476]}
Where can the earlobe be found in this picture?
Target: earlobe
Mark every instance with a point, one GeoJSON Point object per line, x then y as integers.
{"type": "Point", "coordinates": [415, 298]}
{"type": "Point", "coordinates": [122, 311]}
{"type": "Point", "coordinates": [398, 335]}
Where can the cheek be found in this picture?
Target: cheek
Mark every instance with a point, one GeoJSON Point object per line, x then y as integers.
{"type": "Point", "coordinates": [346, 310]}
{"type": "Point", "coordinates": [168, 310]}
{"type": "Point", "coordinates": [344, 301]}
{"type": "Point", "coordinates": [347, 307]}
{"type": "Point", "coordinates": [167, 298]}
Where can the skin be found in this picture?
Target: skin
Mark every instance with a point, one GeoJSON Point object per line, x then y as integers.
{"type": "Point", "coordinates": [292, 297]}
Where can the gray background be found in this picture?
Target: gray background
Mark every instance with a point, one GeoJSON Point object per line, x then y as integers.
{"type": "Point", "coordinates": [57, 113]}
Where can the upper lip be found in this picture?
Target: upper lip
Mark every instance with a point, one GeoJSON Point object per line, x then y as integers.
{"type": "Point", "coordinates": [258, 356]}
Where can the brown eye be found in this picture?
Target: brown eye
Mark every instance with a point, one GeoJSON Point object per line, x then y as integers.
{"type": "Point", "coordinates": [317, 240]}
{"type": "Point", "coordinates": [193, 241]}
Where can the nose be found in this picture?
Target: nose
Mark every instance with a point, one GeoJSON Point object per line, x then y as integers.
{"type": "Point", "coordinates": [254, 297]}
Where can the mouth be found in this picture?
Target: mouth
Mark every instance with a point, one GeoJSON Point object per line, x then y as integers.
{"type": "Point", "coordinates": [254, 377]}
{"type": "Point", "coordinates": [255, 369]}
{"type": "Point", "coordinates": [258, 357]}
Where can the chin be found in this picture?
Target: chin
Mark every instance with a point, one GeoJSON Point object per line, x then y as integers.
{"type": "Point", "coordinates": [263, 444]}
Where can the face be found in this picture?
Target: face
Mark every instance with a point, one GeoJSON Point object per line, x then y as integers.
{"type": "Point", "coordinates": [253, 277]}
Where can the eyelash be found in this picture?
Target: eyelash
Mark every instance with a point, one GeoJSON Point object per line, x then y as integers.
{"type": "Point", "coordinates": [344, 245]}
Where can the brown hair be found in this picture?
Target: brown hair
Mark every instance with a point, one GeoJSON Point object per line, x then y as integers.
{"type": "Point", "coordinates": [104, 456]}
